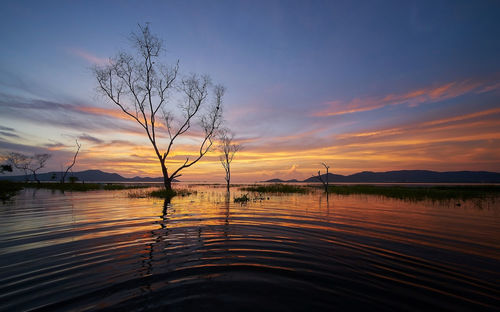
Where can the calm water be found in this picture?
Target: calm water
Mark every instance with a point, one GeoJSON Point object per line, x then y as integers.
{"type": "Point", "coordinates": [103, 250]}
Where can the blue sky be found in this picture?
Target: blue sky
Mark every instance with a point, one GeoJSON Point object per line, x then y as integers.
{"type": "Point", "coordinates": [354, 83]}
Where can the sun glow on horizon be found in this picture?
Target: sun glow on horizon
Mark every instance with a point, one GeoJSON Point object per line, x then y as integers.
{"type": "Point", "coordinates": [387, 90]}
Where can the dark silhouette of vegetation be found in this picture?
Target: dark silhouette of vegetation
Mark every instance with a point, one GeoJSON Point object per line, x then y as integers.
{"type": "Point", "coordinates": [5, 168]}
{"type": "Point", "coordinates": [462, 192]}
{"type": "Point", "coordinates": [8, 190]}
{"type": "Point", "coordinates": [68, 168]}
{"type": "Point", "coordinates": [228, 149]}
{"type": "Point", "coordinates": [78, 187]}
{"type": "Point", "coordinates": [145, 82]}
{"type": "Point", "coordinates": [324, 182]}
{"type": "Point", "coordinates": [416, 193]}
{"type": "Point", "coordinates": [242, 199]}
{"type": "Point", "coordinates": [164, 193]}
{"type": "Point", "coordinates": [28, 163]}
{"type": "Point", "coordinates": [276, 188]}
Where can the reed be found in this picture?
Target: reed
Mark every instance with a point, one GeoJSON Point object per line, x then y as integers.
{"type": "Point", "coordinates": [276, 188]}
{"type": "Point", "coordinates": [461, 192]}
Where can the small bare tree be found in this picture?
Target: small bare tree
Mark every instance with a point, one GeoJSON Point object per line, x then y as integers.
{"type": "Point", "coordinates": [65, 173]}
{"type": "Point", "coordinates": [325, 182]}
{"type": "Point", "coordinates": [228, 149]}
{"type": "Point", "coordinates": [141, 86]}
{"type": "Point", "coordinates": [5, 168]}
{"type": "Point", "coordinates": [20, 162]}
{"type": "Point", "coordinates": [28, 163]}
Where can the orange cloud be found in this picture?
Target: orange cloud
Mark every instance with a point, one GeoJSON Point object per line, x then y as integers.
{"type": "Point", "coordinates": [104, 112]}
{"type": "Point", "coordinates": [412, 98]}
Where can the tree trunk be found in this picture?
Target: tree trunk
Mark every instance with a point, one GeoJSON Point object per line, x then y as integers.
{"type": "Point", "coordinates": [228, 177]}
{"type": "Point", "coordinates": [326, 187]}
{"type": "Point", "coordinates": [167, 181]}
{"type": "Point", "coordinates": [36, 178]}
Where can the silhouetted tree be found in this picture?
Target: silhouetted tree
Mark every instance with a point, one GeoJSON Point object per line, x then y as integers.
{"type": "Point", "coordinates": [63, 177]}
{"type": "Point", "coordinates": [228, 149]}
{"type": "Point", "coordinates": [5, 168]}
{"type": "Point", "coordinates": [142, 86]}
{"type": "Point", "coordinates": [325, 182]}
{"type": "Point", "coordinates": [28, 163]}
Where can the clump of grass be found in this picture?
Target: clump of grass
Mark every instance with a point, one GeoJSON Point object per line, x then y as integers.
{"type": "Point", "coordinates": [185, 192]}
{"type": "Point", "coordinates": [242, 199]}
{"type": "Point", "coordinates": [8, 190]}
{"type": "Point", "coordinates": [416, 193]}
{"type": "Point", "coordinates": [162, 193]}
{"type": "Point", "coordinates": [138, 194]}
{"type": "Point", "coordinates": [112, 187]}
{"type": "Point", "coordinates": [276, 188]}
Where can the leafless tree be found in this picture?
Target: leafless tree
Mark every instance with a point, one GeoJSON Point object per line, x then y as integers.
{"type": "Point", "coordinates": [20, 162]}
{"type": "Point", "coordinates": [228, 149]}
{"type": "Point", "coordinates": [141, 86]}
{"type": "Point", "coordinates": [325, 182]}
{"type": "Point", "coordinates": [5, 168]}
{"type": "Point", "coordinates": [28, 163]}
{"type": "Point", "coordinates": [65, 173]}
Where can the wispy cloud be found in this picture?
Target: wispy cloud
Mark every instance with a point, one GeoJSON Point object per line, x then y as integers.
{"type": "Point", "coordinates": [89, 138]}
{"type": "Point", "coordinates": [89, 57]}
{"type": "Point", "coordinates": [412, 98]}
{"type": "Point", "coordinates": [8, 132]}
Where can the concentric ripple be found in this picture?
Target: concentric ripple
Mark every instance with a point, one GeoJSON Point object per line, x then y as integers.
{"type": "Point", "coordinates": [104, 251]}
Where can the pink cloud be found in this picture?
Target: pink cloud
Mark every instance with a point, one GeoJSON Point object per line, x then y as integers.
{"type": "Point", "coordinates": [89, 57]}
{"type": "Point", "coordinates": [411, 98]}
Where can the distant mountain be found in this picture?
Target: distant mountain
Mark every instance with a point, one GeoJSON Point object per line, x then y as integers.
{"type": "Point", "coordinates": [281, 181]}
{"type": "Point", "coordinates": [409, 176]}
{"type": "Point", "coordinates": [87, 175]}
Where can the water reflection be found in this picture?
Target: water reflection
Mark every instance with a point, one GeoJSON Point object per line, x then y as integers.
{"type": "Point", "coordinates": [313, 251]}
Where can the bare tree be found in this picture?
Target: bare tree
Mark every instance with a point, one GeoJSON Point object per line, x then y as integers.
{"type": "Point", "coordinates": [28, 163]}
{"type": "Point", "coordinates": [228, 149]}
{"type": "Point", "coordinates": [141, 86]}
{"type": "Point", "coordinates": [20, 162]}
{"type": "Point", "coordinates": [5, 168]}
{"type": "Point", "coordinates": [325, 182]}
{"type": "Point", "coordinates": [63, 177]}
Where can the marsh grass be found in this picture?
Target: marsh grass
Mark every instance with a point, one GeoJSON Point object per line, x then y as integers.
{"type": "Point", "coordinates": [162, 193]}
{"type": "Point", "coordinates": [242, 199]}
{"type": "Point", "coordinates": [417, 193]}
{"type": "Point", "coordinates": [76, 187]}
{"type": "Point", "coordinates": [8, 190]}
{"type": "Point", "coordinates": [82, 187]}
{"type": "Point", "coordinates": [276, 188]}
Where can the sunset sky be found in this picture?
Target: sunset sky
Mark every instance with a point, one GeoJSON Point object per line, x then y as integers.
{"type": "Point", "coordinates": [361, 85]}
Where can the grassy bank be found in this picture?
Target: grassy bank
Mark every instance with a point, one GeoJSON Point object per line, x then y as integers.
{"type": "Point", "coordinates": [8, 190]}
{"type": "Point", "coordinates": [7, 186]}
{"type": "Point", "coordinates": [276, 188]}
{"type": "Point", "coordinates": [461, 192]}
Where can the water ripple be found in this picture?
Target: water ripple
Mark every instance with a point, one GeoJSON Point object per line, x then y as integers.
{"type": "Point", "coordinates": [104, 251]}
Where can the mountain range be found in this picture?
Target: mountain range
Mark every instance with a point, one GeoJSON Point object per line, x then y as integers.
{"type": "Point", "coordinates": [87, 175]}
{"type": "Point", "coordinates": [401, 176]}
{"type": "Point", "coordinates": [407, 176]}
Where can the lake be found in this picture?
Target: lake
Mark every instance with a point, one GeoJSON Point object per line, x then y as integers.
{"type": "Point", "coordinates": [102, 250]}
